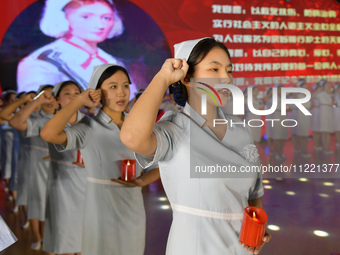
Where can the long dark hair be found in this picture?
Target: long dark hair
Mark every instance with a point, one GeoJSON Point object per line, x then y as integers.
{"type": "Point", "coordinates": [109, 72]}
{"type": "Point", "coordinates": [198, 53]}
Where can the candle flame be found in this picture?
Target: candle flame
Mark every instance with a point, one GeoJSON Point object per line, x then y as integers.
{"type": "Point", "coordinates": [128, 163]}
{"type": "Point", "coordinates": [254, 218]}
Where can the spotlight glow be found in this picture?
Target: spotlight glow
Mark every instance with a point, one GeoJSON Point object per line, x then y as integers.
{"type": "Point", "coordinates": [273, 227]}
{"type": "Point", "coordinates": [165, 207]}
{"type": "Point", "coordinates": [303, 179]}
{"type": "Point", "coordinates": [162, 199]}
{"type": "Point", "coordinates": [337, 190]}
{"type": "Point", "coordinates": [267, 186]}
{"type": "Point", "coordinates": [265, 181]}
{"type": "Point", "coordinates": [279, 179]}
{"type": "Point", "coordinates": [320, 233]}
{"type": "Point", "coordinates": [328, 183]}
{"type": "Point", "coordinates": [323, 195]}
{"type": "Point", "coordinates": [290, 193]}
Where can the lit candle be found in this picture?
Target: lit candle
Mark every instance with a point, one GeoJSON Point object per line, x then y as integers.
{"type": "Point", "coordinates": [128, 169]}
{"type": "Point", "coordinates": [80, 161]}
{"type": "Point", "coordinates": [253, 226]}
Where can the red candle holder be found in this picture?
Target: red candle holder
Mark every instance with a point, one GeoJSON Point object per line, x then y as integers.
{"type": "Point", "coordinates": [80, 161]}
{"type": "Point", "coordinates": [128, 169]}
{"type": "Point", "coordinates": [253, 226]}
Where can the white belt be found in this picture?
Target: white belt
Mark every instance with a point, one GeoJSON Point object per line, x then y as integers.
{"type": "Point", "coordinates": [208, 214]}
{"type": "Point", "coordinates": [98, 181]}
{"type": "Point", "coordinates": [68, 163]}
{"type": "Point", "coordinates": [39, 148]}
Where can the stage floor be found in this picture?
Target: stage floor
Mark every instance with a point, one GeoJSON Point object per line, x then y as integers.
{"type": "Point", "coordinates": [296, 208]}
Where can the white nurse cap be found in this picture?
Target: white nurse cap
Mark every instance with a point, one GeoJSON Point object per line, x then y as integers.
{"type": "Point", "coordinates": [322, 82]}
{"type": "Point", "coordinates": [7, 92]}
{"type": "Point", "coordinates": [54, 23]}
{"type": "Point", "coordinates": [57, 87]}
{"type": "Point", "coordinates": [42, 87]}
{"type": "Point", "coordinates": [300, 83]}
{"type": "Point", "coordinates": [97, 72]}
{"type": "Point", "coordinates": [183, 49]}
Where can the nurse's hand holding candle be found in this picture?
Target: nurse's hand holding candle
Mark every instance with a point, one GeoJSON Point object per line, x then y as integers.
{"type": "Point", "coordinates": [143, 180]}
{"type": "Point", "coordinates": [253, 233]}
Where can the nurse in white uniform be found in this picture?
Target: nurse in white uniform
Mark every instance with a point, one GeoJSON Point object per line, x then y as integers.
{"type": "Point", "coordinates": [268, 101]}
{"type": "Point", "coordinates": [258, 105]}
{"type": "Point", "coordinates": [207, 212]}
{"type": "Point", "coordinates": [24, 157]}
{"type": "Point", "coordinates": [315, 125]}
{"type": "Point", "coordinates": [337, 113]}
{"type": "Point", "coordinates": [304, 123]}
{"type": "Point", "coordinates": [24, 120]}
{"type": "Point", "coordinates": [326, 121]}
{"type": "Point", "coordinates": [280, 132]}
{"type": "Point", "coordinates": [114, 215]}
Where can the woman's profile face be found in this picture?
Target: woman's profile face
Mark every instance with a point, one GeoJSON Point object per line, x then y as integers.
{"type": "Point", "coordinates": [217, 66]}
{"type": "Point", "coordinates": [116, 92]}
{"type": "Point", "coordinates": [90, 22]}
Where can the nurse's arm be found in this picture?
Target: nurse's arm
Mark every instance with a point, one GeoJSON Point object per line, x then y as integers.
{"type": "Point", "coordinates": [143, 180]}
{"type": "Point", "coordinates": [136, 132]}
{"type": "Point", "coordinates": [19, 119]}
{"type": "Point", "coordinates": [7, 112]}
{"type": "Point", "coordinates": [53, 131]}
{"type": "Point", "coordinates": [256, 202]}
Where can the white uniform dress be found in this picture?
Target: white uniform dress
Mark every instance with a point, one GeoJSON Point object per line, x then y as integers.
{"type": "Point", "coordinates": [207, 212]}
{"type": "Point", "coordinates": [269, 128]}
{"type": "Point", "coordinates": [39, 168]}
{"type": "Point", "coordinates": [7, 238]}
{"type": "Point", "coordinates": [13, 183]}
{"type": "Point", "coordinates": [56, 62]}
{"type": "Point", "coordinates": [66, 187]}
{"type": "Point", "coordinates": [280, 132]}
{"type": "Point", "coordinates": [337, 113]}
{"type": "Point", "coordinates": [114, 220]}
{"type": "Point", "coordinates": [326, 121]}
{"type": "Point", "coordinates": [292, 114]}
{"type": "Point", "coordinates": [24, 166]}
{"type": "Point", "coordinates": [7, 150]}
{"type": "Point", "coordinates": [315, 125]}
{"type": "Point", "coordinates": [304, 121]}
{"type": "Point", "coordinates": [256, 131]}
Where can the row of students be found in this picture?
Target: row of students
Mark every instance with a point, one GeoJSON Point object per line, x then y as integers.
{"type": "Point", "coordinates": [34, 167]}
{"type": "Point", "coordinates": [207, 212]}
{"type": "Point", "coordinates": [324, 107]}
{"type": "Point", "coordinates": [66, 182]}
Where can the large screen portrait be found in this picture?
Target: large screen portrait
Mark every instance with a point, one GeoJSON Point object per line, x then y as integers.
{"type": "Point", "coordinates": [51, 41]}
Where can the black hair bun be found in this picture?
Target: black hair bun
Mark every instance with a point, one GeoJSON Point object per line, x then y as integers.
{"type": "Point", "coordinates": [180, 93]}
